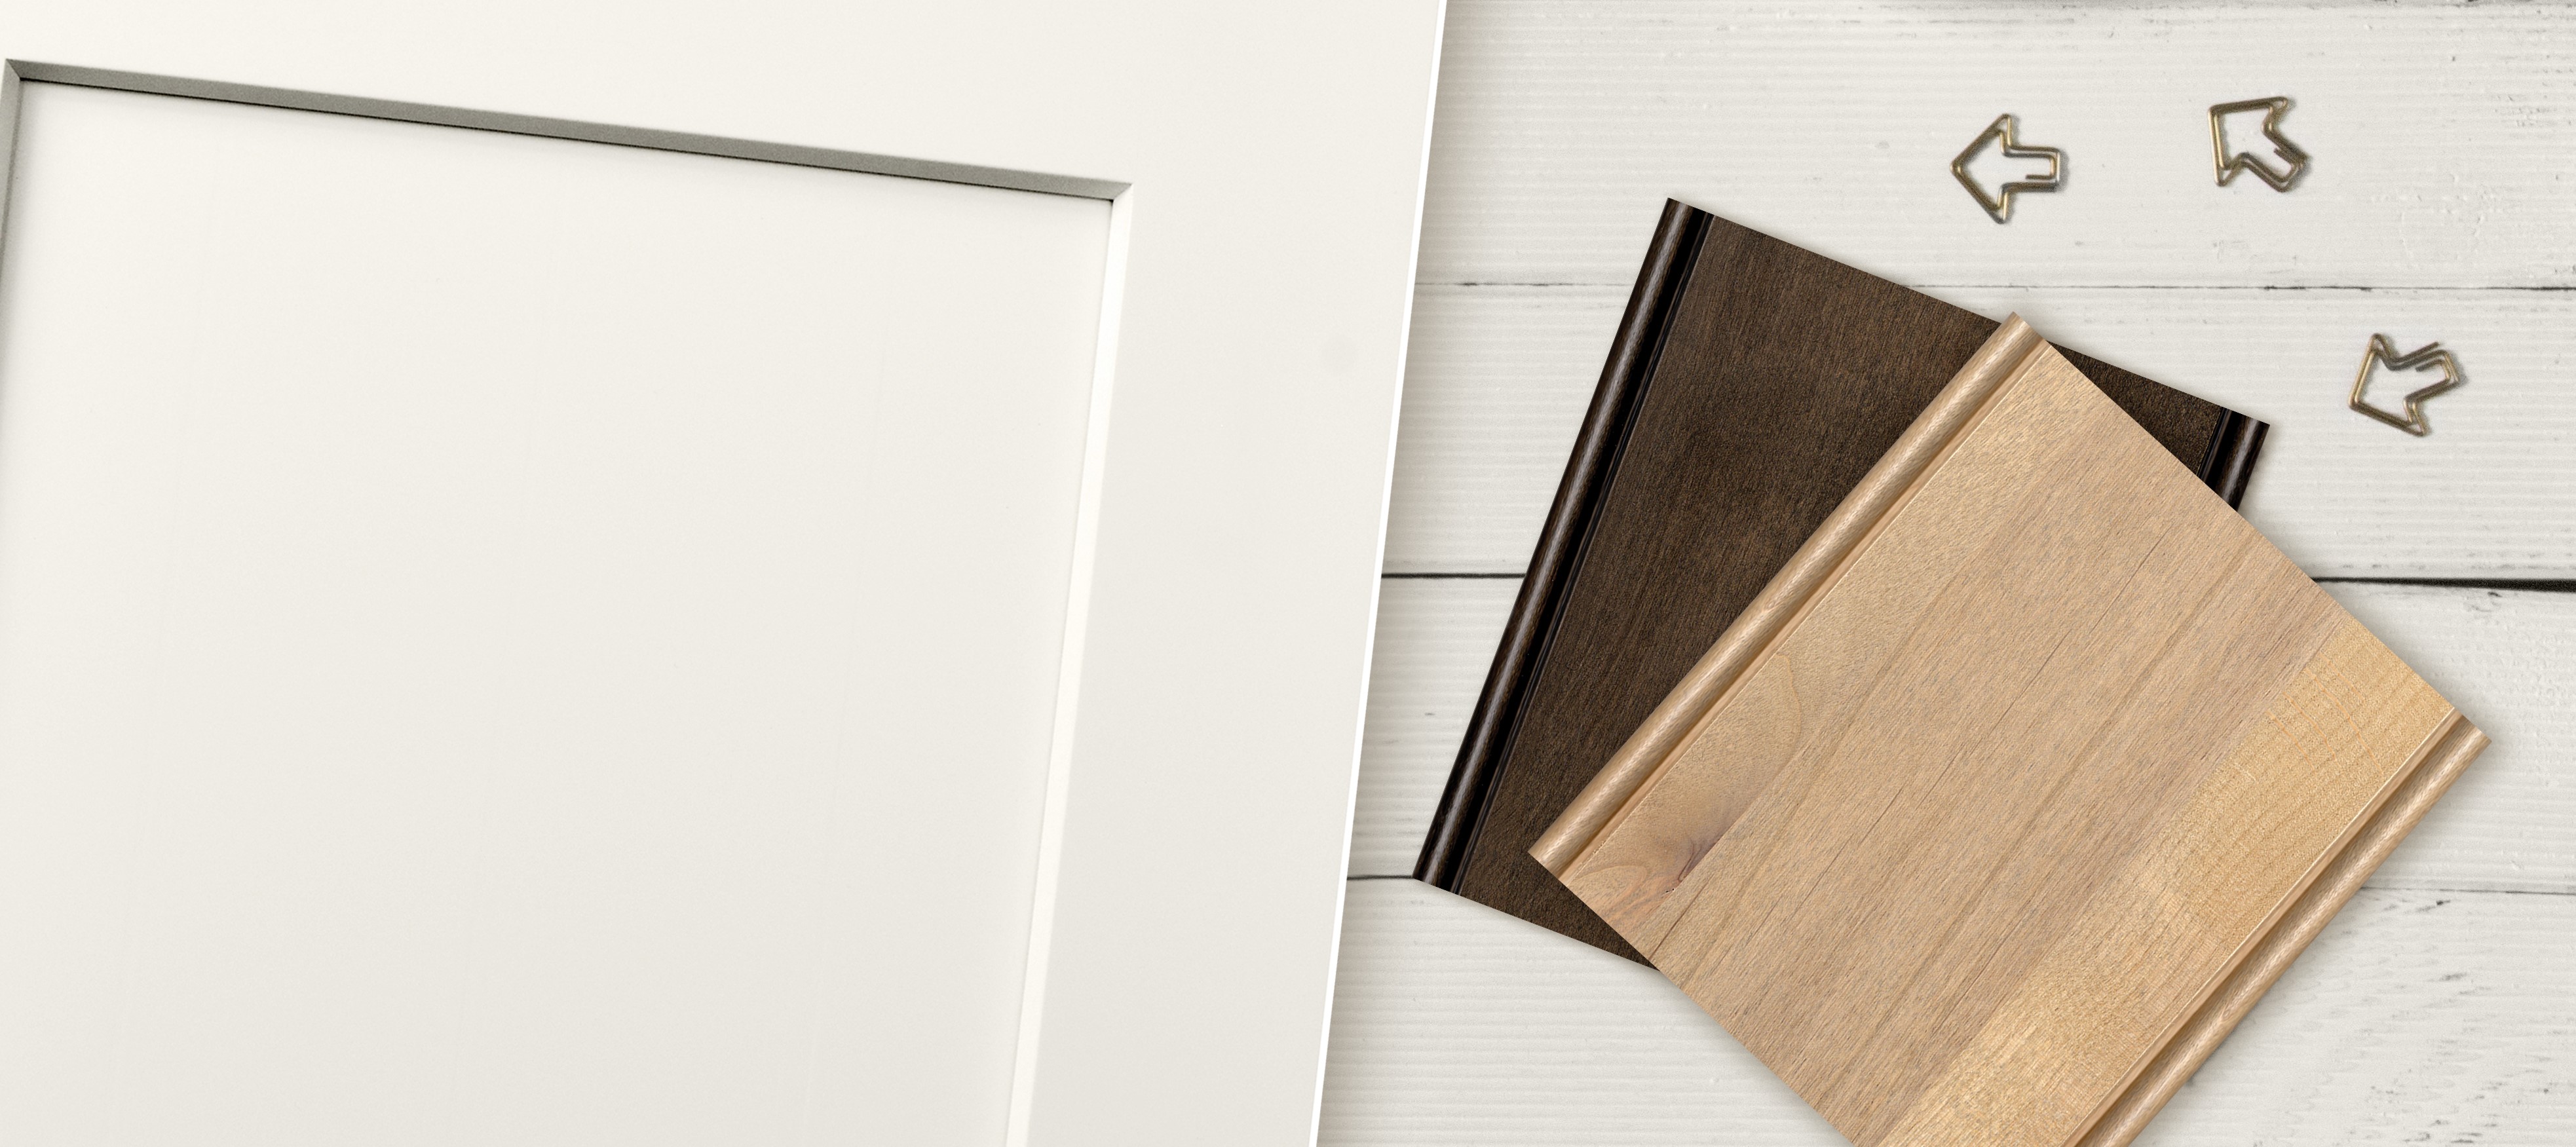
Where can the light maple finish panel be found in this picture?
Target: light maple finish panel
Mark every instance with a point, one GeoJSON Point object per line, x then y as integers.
{"type": "Point", "coordinates": [2046, 743]}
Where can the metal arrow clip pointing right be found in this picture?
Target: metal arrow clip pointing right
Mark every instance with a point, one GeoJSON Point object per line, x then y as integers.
{"type": "Point", "coordinates": [2230, 165]}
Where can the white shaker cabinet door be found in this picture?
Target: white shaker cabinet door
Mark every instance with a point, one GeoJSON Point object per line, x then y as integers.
{"type": "Point", "coordinates": [747, 575]}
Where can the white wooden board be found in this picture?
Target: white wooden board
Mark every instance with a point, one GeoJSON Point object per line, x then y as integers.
{"type": "Point", "coordinates": [1494, 390]}
{"type": "Point", "coordinates": [2436, 211]}
{"type": "Point", "coordinates": [2508, 659]}
{"type": "Point", "coordinates": [2439, 132]}
{"type": "Point", "coordinates": [2419, 1017]}
{"type": "Point", "coordinates": [1435, 640]}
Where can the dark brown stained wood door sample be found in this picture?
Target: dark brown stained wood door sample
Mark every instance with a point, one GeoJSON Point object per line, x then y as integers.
{"type": "Point", "coordinates": [1750, 386]}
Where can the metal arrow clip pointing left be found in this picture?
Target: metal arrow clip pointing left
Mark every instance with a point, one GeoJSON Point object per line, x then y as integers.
{"type": "Point", "coordinates": [1999, 205]}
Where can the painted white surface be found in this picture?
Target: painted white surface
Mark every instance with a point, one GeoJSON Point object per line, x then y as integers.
{"type": "Point", "coordinates": [1261, 268]}
{"type": "Point", "coordinates": [2508, 658]}
{"type": "Point", "coordinates": [509, 638]}
{"type": "Point", "coordinates": [2435, 1010]}
{"type": "Point", "coordinates": [2437, 128]}
{"type": "Point", "coordinates": [1435, 642]}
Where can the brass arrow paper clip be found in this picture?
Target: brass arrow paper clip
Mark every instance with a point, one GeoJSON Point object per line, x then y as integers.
{"type": "Point", "coordinates": [2425, 357]}
{"type": "Point", "coordinates": [2000, 204]}
{"type": "Point", "coordinates": [2230, 165]}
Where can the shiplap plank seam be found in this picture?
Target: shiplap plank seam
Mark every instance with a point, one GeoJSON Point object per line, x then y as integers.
{"type": "Point", "coordinates": [2507, 658]}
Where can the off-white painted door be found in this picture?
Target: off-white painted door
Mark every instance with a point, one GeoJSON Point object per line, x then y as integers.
{"type": "Point", "coordinates": [510, 634]}
{"type": "Point", "coordinates": [819, 598]}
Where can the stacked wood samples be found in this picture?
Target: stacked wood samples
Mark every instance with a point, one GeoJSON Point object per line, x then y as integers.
{"type": "Point", "coordinates": [2003, 801]}
{"type": "Point", "coordinates": [1751, 384]}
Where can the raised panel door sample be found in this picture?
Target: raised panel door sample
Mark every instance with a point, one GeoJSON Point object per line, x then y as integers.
{"type": "Point", "coordinates": [512, 640]}
{"type": "Point", "coordinates": [2014, 790]}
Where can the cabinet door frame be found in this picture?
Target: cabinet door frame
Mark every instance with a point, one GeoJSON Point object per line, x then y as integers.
{"type": "Point", "coordinates": [1265, 172]}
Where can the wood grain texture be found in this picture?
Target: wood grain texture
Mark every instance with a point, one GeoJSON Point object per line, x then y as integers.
{"type": "Point", "coordinates": [1798, 372]}
{"type": "Point", "coordinates": [2419, 1017]}
{"type": "Point", "coordinates": [2300, 924]}
{"type": "Point", "coordinates": [1789, 593]}
{"type": "Point", "coordinates": [2029, 774]}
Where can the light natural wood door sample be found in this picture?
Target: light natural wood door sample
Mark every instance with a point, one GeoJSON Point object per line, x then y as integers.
{"type": "Point", "coordinates": [2013, 791]}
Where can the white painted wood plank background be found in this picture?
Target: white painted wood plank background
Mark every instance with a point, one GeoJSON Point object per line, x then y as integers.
{"type": "Point", "coordinates": [2419, 1017]}
{"type": "Point", "coordinates": [2440, 132]}
{"type": "Point", "coordinates": [2442, 206]}
{"type": "Point", "coordinates": [2438, 208]}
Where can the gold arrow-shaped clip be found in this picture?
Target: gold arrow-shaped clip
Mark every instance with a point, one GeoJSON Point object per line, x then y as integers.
{"type": "Point", "coordinates": [2000, 204]}
{"type": "Point", "coordinates": [2230, 165]}
{"type": "Point", "coordinates": [2425, 357]}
